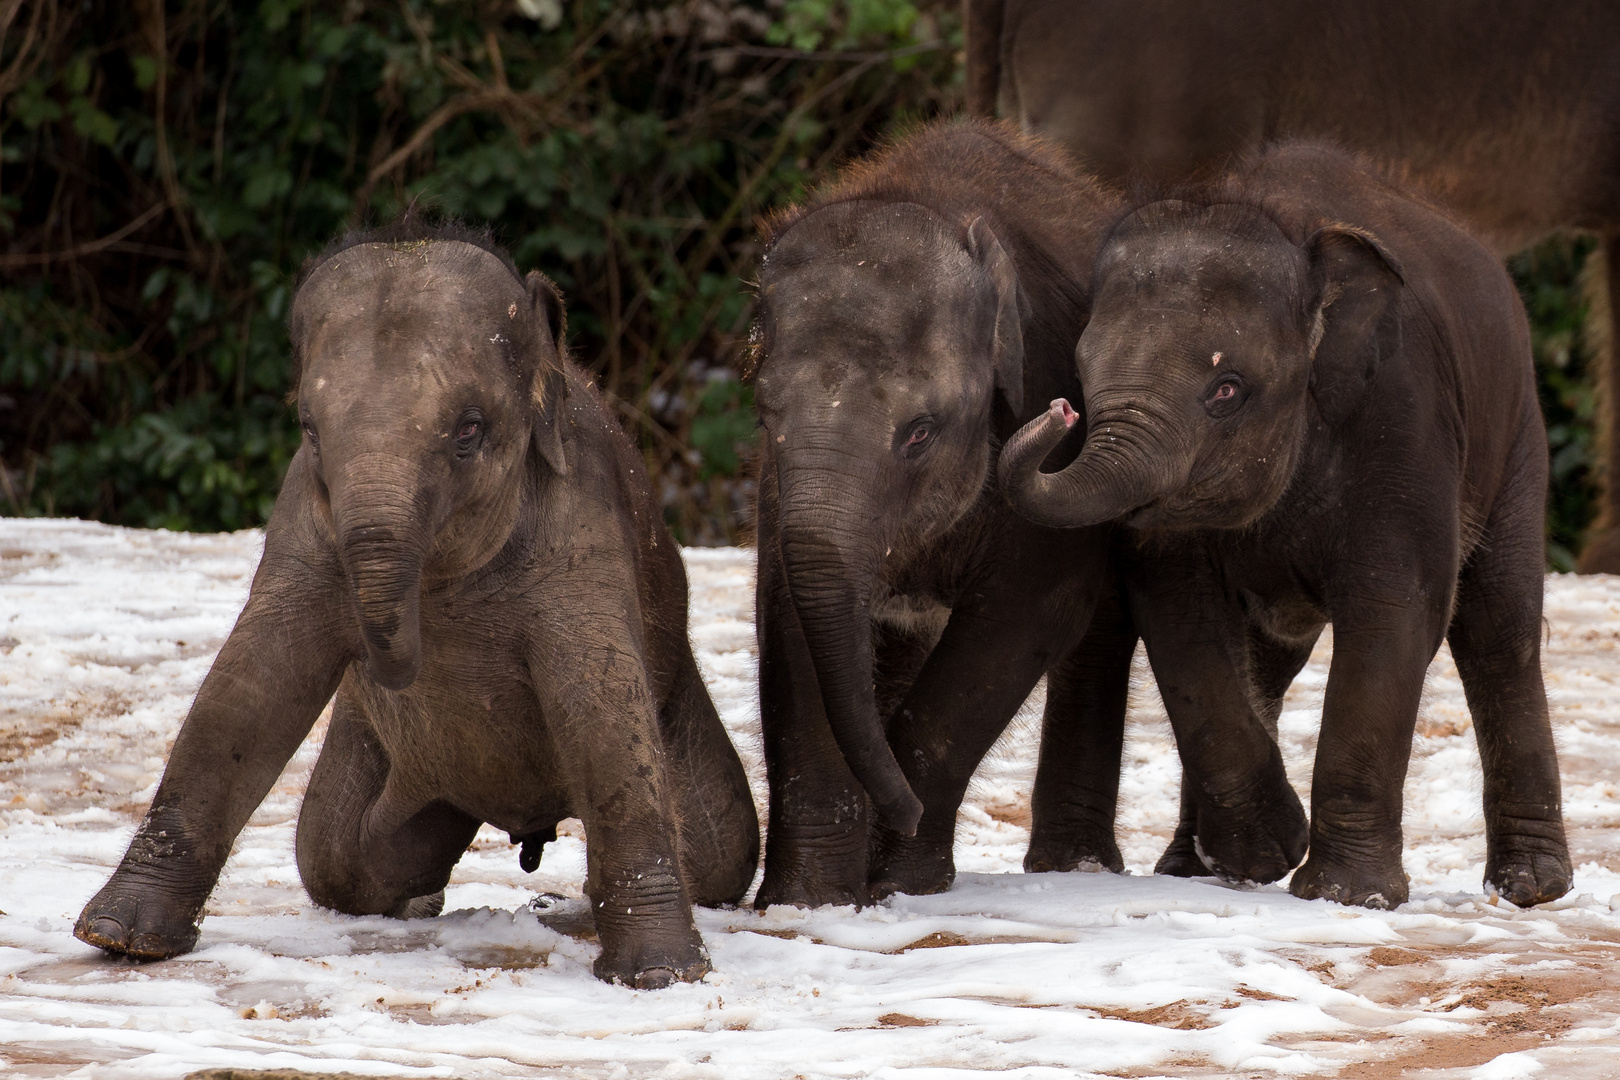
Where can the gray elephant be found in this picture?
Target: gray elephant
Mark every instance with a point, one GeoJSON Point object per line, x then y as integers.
{"type": "Point", "coordinates": [1311, 401]}
{"type": "Point", "coordinates": [910, 315]}
{"type": "Point", "coordinates": [1506, 110]}
{"type": "Point", "coordinates": [466, 552]}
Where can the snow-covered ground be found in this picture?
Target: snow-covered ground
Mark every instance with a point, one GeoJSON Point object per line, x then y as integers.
{"type": "Point", "coordinates": [105, 633]}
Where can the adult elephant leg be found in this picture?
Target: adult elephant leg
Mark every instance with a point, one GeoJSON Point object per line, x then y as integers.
{"type": "Point", "coordinates": [1496, 640]}
{"type": "Point", "coordinates": [1014, 622]}
{"type": "Point", "coordinates": [816, 827]}
{"type": "Point", "coordinates": [719, 828]}
{"type": "Point", "coordinates": [359, 855]}
{"type": "Point", "coordinates": [1601, 554]}
{"type": "Point", "coordinates": [1076, 791]}
{"type": "Point", "coordinates": [1250, 825]}
{"type": "Point", "coordinates": [1381, 649]}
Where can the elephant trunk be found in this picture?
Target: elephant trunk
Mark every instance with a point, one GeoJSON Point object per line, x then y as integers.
{"type": "Point", "coordinates": [383, 552]}
{"type": "Point", "coordinates": [831, 550]}
{"type": "Point", "coordinates": [1122, 466]}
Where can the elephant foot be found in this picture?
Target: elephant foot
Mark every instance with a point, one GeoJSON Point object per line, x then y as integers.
{"type": "Point", "coordinates": [420, 907]}
{"type": "Point", "coordinates": [828, 866]}
{"type": "Point", "coordinates": [914, 865]}
{"type": "Point", "coordinates": [1256, 838]}
{"type": "Point", "coordinates": [1181, 858]}
{"type": "Point", "coordinates": [1080, 850]}
{"type": "Point", "coordinates": [1382, 886]}
{"type": "Point", "coordinates": [1526, 878]}
{"type": "Point", "coordinates": [652, 960]}
{"type": "Point", "coordinates": [139, 920]}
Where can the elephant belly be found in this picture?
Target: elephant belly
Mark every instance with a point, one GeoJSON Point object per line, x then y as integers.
{"type": "Point", "coordinates": [910, 614]}
{"type": "Point", "coordinates": [487, 754]}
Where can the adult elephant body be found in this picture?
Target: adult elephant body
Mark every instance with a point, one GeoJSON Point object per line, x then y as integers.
{"type": "Point", "coordinates": [912, 315]}
{"type": "Point", "coordinates": [465, 550]}
{"type": "Point", "coordinates": [1509, 113]}
{"type": "Point", "coordinates": [1311, 401]}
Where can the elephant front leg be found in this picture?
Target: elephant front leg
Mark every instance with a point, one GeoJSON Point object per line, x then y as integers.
{"type": "Point", "coordinates": [598, 709]}
{"type": "Point", "coordinates": [1273, 665]}
{"type": "Point", "coordinates": [1250, 825]}
{"type": "Point", "coordinates": [261, 697]}
{"type": "Point", "coordinates": [816, 833]}
{"type": "Point", "coordinates": [1010, 625]}
{"type": "Point", "coordinates": [1076, 792]}
{"type": "Point", "coordinates": [1374, 686]}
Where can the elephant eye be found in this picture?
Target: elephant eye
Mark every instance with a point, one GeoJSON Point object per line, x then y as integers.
{"type": "Point", "coordinates": [309, 433]}
{"type": "Point", "coordinates": [469, 434]}
{"type": "Point", "coordinates": [1225, 396]}
{"type": "Point", "coordinates": [918, 437]}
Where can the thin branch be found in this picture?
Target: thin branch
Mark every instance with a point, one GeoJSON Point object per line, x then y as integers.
{"type": "Point", "coordinates": [89, 247]}
{"type": "Point", "coordinates": [822, 56]}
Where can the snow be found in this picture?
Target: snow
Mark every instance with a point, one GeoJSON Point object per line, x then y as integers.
{"type": "Point", "coordinates": [105, 633]}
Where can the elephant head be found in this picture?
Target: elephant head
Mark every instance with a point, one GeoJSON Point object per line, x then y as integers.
{"type": "Point", "coordinates": [427, 372]}
{"type": "Point", "coordinates": [1215, 344]}
{"type": "Point", "coordinates": [887, 334]}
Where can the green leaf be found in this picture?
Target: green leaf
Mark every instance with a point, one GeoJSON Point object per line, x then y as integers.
{"type": "Point", "coordinates": [146, 71]}
{"type": "Point", "coordinates": [92, 123]}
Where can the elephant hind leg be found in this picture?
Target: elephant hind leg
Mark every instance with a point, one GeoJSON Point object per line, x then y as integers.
{"type": "Point", "coordinates": [719, 829]}
{"type": "Point", "coordinates": [345, 866]}
{"type": "Point", "coordinates": [1495, 638]}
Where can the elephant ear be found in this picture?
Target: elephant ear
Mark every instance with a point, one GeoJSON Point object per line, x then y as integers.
{"type": "Point", "coordinates": [1357, 281]}
{"type": "Point", "coordinates": [550, 386]}
{"type": "Point", "coordinates": [1012, 308]}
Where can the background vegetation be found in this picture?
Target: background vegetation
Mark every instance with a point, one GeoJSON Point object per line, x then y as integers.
{"type": "Point", "coordinates": [166, 165]}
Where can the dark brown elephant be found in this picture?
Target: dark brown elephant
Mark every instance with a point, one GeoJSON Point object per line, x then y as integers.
{"type": "Point", "coordinates": [1311, 401]}
{"type": "Point", "coordinates": [912, 315]}
{"type": "Point", "coordinates": [1508, 111]}
{"type": "Point", "coordinates": [464, 551]}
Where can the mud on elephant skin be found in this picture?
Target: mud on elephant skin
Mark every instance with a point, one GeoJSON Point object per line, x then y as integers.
{"type": "Point", "coordinates": [912, 315]}
{"type": "Point", "coordinates": [465, 551]}
{"type": "Point", "coordinates": [1311, 401]}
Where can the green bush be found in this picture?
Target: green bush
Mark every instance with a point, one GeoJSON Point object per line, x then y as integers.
{"type": "Point", "coordinates": [178, 162]}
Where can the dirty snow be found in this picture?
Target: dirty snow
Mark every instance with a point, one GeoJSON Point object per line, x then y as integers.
{"type": "Point", "coordinates": [105, 633]}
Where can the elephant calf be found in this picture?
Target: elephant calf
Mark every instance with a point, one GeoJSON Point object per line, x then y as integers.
{"type": "Point", "coordinates": [466, 552]}
{"type": "Point", "coordinates": [914, 314]}
{"type": "Point", "coordinates": [1311, 401]}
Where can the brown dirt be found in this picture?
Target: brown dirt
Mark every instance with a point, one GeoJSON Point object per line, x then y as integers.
{"type": "Point", "coordinates": [899, 1020]}
{"type": "Point", "coordinates": [941, 939]}
{"type": "Point", "coordinates": [1180, 1015]}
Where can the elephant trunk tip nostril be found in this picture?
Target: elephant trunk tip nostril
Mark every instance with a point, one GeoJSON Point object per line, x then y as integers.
{"type": "Point", "coordinates": [1065, 412]}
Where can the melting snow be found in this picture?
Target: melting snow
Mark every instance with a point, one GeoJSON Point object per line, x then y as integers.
{"type": "Point", "coordinates": [105, 634]}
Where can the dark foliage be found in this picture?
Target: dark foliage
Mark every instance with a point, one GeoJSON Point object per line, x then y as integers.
{"type": "Point", "coordinates": [166, 167]}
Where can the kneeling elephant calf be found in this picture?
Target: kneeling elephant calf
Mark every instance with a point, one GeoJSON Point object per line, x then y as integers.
{"type": "Point", "coordinates": [1311, 401]}
{"type": "Point", "coordinates": [466, 552]}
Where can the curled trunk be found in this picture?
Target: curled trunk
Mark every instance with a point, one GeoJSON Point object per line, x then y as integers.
{"type": "Point", "coordinates": [1122, 467]}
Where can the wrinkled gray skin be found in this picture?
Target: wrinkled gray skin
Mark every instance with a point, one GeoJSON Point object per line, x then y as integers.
{"type": "Point", "coordinates": [904, 611]}
{"type": "Point", "coordinates": [465, 551]}
{"type": "Point", "coordinates": [1507, 111]}
{"type": "Point", "coordinates": [1312, 401]}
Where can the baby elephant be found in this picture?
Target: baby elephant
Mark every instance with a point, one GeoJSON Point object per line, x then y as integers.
{"type": "Point", "coordinates": [1311, 400]}
{"type": "Point", "coordinates": [464, 550]}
